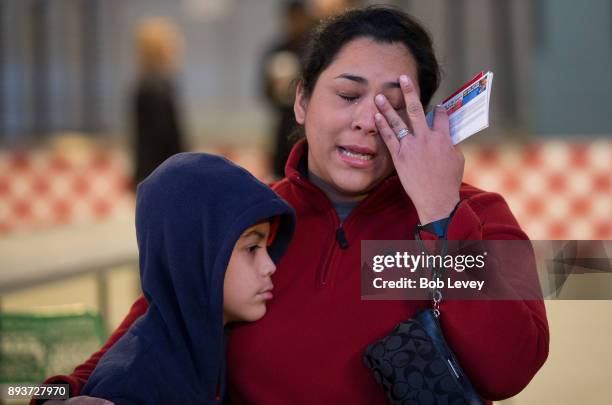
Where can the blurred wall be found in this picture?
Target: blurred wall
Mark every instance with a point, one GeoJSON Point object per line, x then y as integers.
{"type": "Point", "coordinates": [574, 68]}
{"type": "Point", "coordinates": [60, 56]}
{"type": "Point", "coordinates": [69, 64]}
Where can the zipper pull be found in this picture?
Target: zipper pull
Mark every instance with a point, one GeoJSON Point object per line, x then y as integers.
{"type": "Point", "coordinates": [341, 237]}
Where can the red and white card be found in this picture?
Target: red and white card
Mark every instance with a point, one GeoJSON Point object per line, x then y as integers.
{"type": "Point", "coordinates": [468, 107]}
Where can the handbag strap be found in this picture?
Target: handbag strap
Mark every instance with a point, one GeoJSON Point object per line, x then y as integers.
{"type": "Point", "coordinates": [436, 293]}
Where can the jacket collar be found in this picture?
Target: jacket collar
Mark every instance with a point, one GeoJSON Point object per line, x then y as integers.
{"type": "Point", "coordinates": [388, 193]}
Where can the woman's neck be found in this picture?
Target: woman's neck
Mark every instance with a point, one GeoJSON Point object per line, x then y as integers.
{"type": "Point", "coordinates": [333, 194]}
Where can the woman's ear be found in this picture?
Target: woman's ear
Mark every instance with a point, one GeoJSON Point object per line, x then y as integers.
{"type": "Point", "coordinates": [300, 103]}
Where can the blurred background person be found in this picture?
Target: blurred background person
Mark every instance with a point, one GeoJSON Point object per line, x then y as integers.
{"type": "Point", "coordinates": [279, 69]}
{"type": "Point", "coordinates": [327, 8]}
{"type": "Point", "coordinates": [281, 63]}
{"type": "Point", "coordinates": [156, 119]}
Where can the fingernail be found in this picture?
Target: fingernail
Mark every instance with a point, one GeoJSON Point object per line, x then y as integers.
{"type": "Point", "coordinates": [379, 99]}
{"type": "Point", "coordinates": [378, 116]}
{"type": "Point", "coordinates": [404, 79]}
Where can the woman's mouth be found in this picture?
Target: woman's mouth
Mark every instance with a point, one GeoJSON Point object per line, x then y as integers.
{"type": "Point", "coordinates": [356, 156]}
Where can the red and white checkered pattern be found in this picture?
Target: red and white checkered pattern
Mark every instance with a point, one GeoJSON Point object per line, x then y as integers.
{"type": "Point", "coordinates": [41, 188]}
{"type": "Point", "coordinates": [556, 189]}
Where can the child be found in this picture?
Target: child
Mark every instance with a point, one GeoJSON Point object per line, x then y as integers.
{"type": "Point", "coordinates": [202, 224]}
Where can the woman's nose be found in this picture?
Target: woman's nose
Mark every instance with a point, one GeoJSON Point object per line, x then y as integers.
{"type": "Point", "coordinates": [363, 116]}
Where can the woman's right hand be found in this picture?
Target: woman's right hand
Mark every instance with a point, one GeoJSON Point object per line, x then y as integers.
{"type": "Point", "coordinates": [428, 165]}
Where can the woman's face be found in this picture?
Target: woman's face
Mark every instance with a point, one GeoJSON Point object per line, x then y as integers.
{"type": "Point", "coordinates": [344, 147]}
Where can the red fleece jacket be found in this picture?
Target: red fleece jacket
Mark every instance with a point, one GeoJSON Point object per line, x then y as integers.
{"type": "Point", "coordinates": [308, 348]}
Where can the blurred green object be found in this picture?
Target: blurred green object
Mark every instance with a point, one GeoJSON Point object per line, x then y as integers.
{"type": "Point", "coordinates": [36, 346]}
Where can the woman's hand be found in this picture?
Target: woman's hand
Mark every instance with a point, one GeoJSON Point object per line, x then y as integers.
{"type": "Point", "coordinates": [428, 165]}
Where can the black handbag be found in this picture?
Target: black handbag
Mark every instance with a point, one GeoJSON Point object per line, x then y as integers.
{"type": "Point", "coordinates": [414, 364]}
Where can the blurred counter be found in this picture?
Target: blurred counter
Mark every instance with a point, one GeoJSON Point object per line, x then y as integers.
{"type": "Point", "coordinates": [31, 258]}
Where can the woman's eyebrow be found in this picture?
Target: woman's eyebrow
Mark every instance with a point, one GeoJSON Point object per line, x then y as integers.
{"type": "Point", "coordinates": [363, 80]}
{"type": "Point", "coordinates": [355, 78]}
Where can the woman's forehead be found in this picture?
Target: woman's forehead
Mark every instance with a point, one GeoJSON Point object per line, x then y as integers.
{"type": "Point", "coordinates": [372, 60]}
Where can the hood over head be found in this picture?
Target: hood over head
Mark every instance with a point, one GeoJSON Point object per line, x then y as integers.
{"type": "Point", "coordinates": [189, 214]}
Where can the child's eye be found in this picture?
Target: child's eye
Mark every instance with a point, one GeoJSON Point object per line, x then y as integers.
{"type": "Point", "coordinates": [253, 248]}
{"type": "Point", "coordinates": [350, 99]}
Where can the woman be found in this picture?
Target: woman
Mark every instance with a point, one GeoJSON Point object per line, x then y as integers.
{"type": "Point", "coordinates": [366, 79]}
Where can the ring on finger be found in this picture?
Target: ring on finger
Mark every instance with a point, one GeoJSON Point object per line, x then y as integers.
{"type": "Point", "coordinates": [402, 133]}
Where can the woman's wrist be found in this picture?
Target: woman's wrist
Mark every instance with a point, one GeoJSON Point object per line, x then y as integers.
{"type": "Point", "coordinates": [434, 211]}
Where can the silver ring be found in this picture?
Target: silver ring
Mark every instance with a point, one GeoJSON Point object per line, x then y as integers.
{"type": "Point", "coordinates": [402, 133]}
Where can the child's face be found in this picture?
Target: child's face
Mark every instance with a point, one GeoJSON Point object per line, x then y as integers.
{"type": "Point", "coordinates": [247, 285]}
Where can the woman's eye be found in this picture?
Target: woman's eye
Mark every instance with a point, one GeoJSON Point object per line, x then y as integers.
{"type": "Point", "coordinates": [350, 99]}
{"type": "Point", "coordinates": [397, 105]}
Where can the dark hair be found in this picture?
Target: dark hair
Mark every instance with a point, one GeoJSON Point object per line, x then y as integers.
{"type": "Point", "coordinates": [381, 23]}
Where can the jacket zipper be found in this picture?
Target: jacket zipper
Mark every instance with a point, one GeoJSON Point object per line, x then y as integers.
{"type": "Point", "coordinates": [341, 242]}
{"type": "Point", "coordinates": [340, 238]}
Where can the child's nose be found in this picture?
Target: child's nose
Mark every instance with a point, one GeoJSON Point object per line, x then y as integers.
{"type": "Point", "coordinates": [269, 267]}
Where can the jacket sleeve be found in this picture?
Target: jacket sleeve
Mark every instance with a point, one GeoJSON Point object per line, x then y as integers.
{"type": "Point", "coordinates": [500, 344]}
{"type": "Point", "coordinates": [81, 373]}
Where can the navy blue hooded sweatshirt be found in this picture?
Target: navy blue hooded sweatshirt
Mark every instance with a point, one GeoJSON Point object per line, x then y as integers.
{"type": "Point", "coordinates": [189, 214]}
